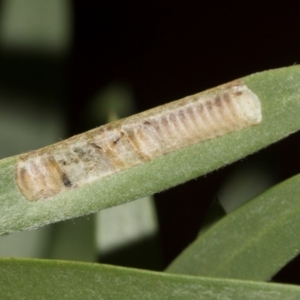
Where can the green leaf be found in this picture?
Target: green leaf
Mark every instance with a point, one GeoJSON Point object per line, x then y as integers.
{"type": "Point", "coordinates": [40, 279]}
{"type": "Point", "coordinates": [215, 213]}
{"type": "Point", "coordinates": [278, 91]}
{"type": "Point", "coordinates": [254, 242]}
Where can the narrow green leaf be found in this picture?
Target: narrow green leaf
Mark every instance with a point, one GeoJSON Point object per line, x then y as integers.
{"type": "Point", "coordinates": [278, 91]}
{"type": "Point", "coordinates": [215, 213]}
{"type": "Point", "coordinates": [40, 279]}
{"type": "Point", "coordinates": [254, 242]}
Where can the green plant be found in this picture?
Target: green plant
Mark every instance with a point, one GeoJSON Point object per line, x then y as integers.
{"type": "Point", "coordinates": [251, 254]}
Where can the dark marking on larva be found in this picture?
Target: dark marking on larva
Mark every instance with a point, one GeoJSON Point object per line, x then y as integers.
{"type": "Point", "coordinates": [122, 136]}
{"type": "Point", "coordinates": [199, 108]}
{"type": "Point", "coordinates": [172, 118]}
{"type": "Point", "coordinates": [209, 105]}
{"type": "Point", "coordinates": [182, 115]}
{"type": "Point", "coordinates": [174, 121]}
{"type": "Point", "coordinates": [218, 101]}
{"type": "Point", "coordinates": [66, 180]}
{"type": "Point", "coordinates": [230, 107]}
{"type": "Point", "coordinates": [190, 112]}
{"type": "Point", "coordinates": [201, 115]}
{"type": "Point", "coordinates": [192, 116]}
{"type": "Point", "coordinates": [102, 149]}
{"type": "Point", "coordinates": [116, 140]}
{"type": "Point", "coordinates": [87, 159]}
{"type": "Point", "coordinates": [72, 159]}
{"type": "Point", "coordinates": [155, 125]}
{"type": "Point", "coordinates": [226, 97]}
{"type": "Point", "coordinates": [158, 133]}
{"type": "Point", "coordinates": [96, 146]}
{"type": "Point", "coordinates": [164, 121]}
{"type": "Point", "coordinates": [238, 93]}
{"type": "Point", "coordinates": [223, 113]}
{"type": "Point", "coordinates": [79, 151]}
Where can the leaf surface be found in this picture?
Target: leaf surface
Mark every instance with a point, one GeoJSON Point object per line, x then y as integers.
{"type": "Point", "coordinates": [279, 93]}
{"type": "Point", "coordinates": [254, 242]}
{"type": "Point", "coordinates": [40, 279]}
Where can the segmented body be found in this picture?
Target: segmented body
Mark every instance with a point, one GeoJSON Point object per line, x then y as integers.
{"type": "Point", "coordinates": [126, 143]}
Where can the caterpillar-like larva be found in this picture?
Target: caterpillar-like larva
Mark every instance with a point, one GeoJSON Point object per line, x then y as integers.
{"type": "Point", "coordinates": [126, 143]}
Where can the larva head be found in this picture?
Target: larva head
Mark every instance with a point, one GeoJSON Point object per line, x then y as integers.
{"type": "Point", "coordinates": [249, 104]}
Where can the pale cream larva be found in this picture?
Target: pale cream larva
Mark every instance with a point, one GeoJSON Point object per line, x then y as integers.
{"type": "Point", "coordinates": [69, 164]}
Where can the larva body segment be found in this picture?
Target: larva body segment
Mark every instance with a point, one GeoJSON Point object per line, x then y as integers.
{"type": "Point", "coordinates": [114, 147]}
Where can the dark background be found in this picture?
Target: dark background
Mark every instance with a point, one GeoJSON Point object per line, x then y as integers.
{"type": "Point", "coordinates": [169, 49]}
{"type": "Point", "coordinates": [166, 50]}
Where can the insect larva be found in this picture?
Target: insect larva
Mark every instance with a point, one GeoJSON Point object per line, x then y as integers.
{"type": "Point", "coordinates": [117, 146]}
